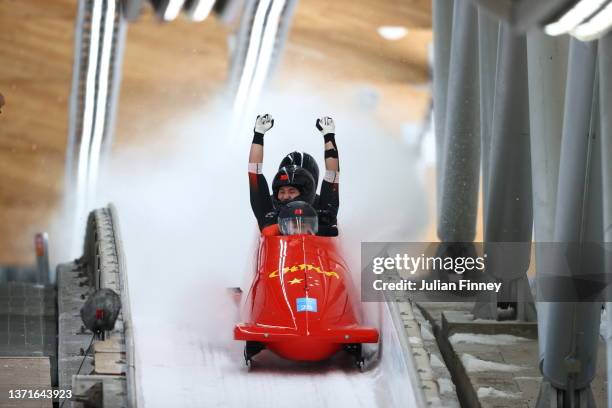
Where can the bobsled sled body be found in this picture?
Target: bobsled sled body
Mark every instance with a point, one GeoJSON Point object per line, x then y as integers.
{"type": "Point", "coordinates": [300, 305]}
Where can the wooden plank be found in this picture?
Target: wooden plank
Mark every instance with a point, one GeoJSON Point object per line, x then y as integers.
{"type": "Point", "coordinates": [110, 363]}
{"type": "Point", "coordinates": [112, 345]}
{"type": "Point", "coordinates": [24, 373]}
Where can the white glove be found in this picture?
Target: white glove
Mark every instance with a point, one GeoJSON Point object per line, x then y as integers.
{"type": "Point", "coordinates": [263, 123]}
{"type": "Point", "coordinates": [326, 125]}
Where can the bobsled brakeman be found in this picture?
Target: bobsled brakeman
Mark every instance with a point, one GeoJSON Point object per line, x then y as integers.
{"type": "Point", "coordinates": [300, 305]}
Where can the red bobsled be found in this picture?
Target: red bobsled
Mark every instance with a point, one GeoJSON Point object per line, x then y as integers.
{"type": "Point", "coordinates": [300, 304]}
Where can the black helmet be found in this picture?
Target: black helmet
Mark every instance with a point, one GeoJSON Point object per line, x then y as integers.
{"type": "Point", "coordinates": [297, 177]}
{"type": "Point", "coordinates": [302, 160]}
{"type": "Point", "coordinates": [298, 217]}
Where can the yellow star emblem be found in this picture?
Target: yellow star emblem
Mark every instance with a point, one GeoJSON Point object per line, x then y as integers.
{"type": "Point", "coordinates": [295, 280]}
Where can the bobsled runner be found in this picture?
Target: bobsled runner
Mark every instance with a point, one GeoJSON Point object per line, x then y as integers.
{"type": "Point", "coordinates": [300, 305]}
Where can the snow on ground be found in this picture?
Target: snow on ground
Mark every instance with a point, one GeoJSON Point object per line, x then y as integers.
{"type": "Point", "coordinates": [446, 386]}
{"type": "Point", "coordinates": [435, 361]}
{"type": "Point", "coordinates": [189, 234]}
{"type": "Point", "coordinates": [490, 392]}
{"type": "Point", "coordinates": [426, 330]}
{"type": "Point", "coordinates": [474, 364]}
{"type": "Point", "coordinates": [415, 340]}
{"type": "Point", "coordinates": [486, 339]}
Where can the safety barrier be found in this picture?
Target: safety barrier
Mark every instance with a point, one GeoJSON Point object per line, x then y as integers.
{"type": "Point", "coordinates": [112, 378]}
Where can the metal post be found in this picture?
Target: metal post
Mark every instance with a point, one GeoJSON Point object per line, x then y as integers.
{"type": "Point", "coordinates": [508, 205]}
{"type": "Point", "coordinates": [461, 152]}
{"type": "Point", "coordinates": [605, 98]}
{"type": "Point", "coordinates": [570, 350]}
{"type": "Point", "coordinates": [442, 30]}
{"type": "Point", "coordinates": [41, 246]}
{"type": "Point", "coordinates": [547, 62]}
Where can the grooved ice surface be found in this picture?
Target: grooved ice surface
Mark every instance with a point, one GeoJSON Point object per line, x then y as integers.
{"type": "Point", "coordinates": [205, 373]}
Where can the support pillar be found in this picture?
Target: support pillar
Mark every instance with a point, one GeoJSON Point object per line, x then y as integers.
{"type": "Point", "coordinates": [605, 98]}
{"type": "Point", "coordinates": [442, 11]}
{"type": "Point", "coordinates": [508, 205]}
{"type": "Point", "coordinates": [547, 61]}
{"type": "Point", "coordinates": [570, 350]}
{"type": "Point", "coordinates": [461, 151]}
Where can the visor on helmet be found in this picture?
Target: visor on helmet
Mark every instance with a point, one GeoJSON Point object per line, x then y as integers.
{"type": "Point", "coordinates": [297, 218]}
{"type": "Point", "coordinates": [299, 225]}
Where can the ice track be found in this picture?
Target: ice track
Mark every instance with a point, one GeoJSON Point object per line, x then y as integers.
{"type": "Point", "coordinates": [189, 234]}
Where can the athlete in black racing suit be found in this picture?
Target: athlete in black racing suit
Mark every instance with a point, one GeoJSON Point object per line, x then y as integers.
{"type": "Point", "coordinates": [294, 181]}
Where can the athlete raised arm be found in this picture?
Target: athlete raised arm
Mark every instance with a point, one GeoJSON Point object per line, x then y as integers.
{"type": "Point", "coordinates": [290, 183]}
{"type": "Point", "coordinates": [329, 199]}
{"type": "Point", "coordinates": [261, 202]}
